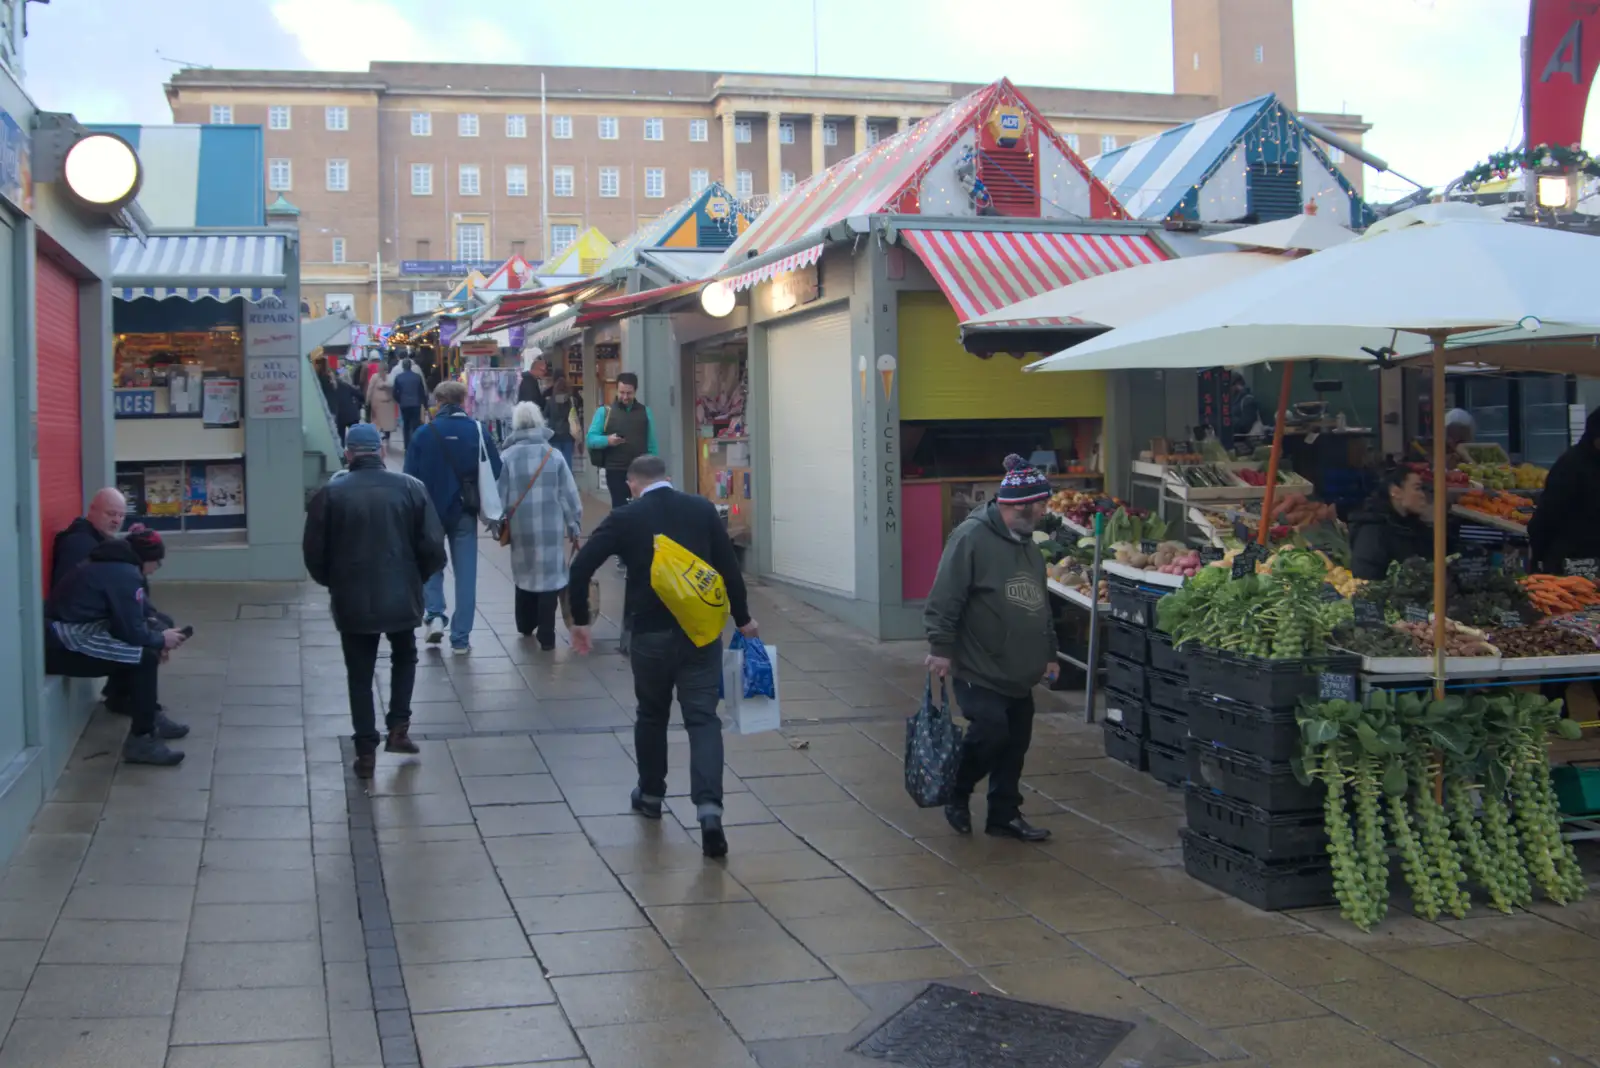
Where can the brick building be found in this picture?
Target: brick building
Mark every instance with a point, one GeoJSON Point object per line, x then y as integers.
{"type": "Point", "coordinates": [428, 167]}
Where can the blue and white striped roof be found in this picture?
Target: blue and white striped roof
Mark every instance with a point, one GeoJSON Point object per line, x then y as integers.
{"type": "Point", "coordinates": [1151, 177]}
{"type": "Point", "coordinates": [196, 266]}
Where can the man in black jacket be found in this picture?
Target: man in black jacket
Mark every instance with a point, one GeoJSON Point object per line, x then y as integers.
{"type": "Point", "coordinates": [372, 537]}
{"type": "Point", "coordinates": [96, 626]}
{"type": "Point", "coordinates": [663, 658]}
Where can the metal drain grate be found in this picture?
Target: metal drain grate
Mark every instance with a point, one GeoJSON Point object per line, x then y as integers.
{"type": "Point", "coordinates": [946, 1027]}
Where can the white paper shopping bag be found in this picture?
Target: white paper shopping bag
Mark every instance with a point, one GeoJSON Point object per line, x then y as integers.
{"type": "Point", "coordinates": [754, 714]}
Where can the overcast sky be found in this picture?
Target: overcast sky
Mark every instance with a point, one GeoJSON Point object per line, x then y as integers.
{"type": "Point", "coordinates": [1439, 79]}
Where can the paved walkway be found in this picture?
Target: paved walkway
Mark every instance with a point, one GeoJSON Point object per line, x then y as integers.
{"type": "Point", "coordinates": [492, 903]}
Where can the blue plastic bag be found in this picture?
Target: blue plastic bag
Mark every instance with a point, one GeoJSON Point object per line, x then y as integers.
{"type": "Point", "coordinates": [933, 750]}
{"type": "Point", "coordinates": [757, 667]}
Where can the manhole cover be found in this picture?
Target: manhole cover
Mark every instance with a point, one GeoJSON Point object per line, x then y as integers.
{"type": "Point", "coordinates": [946, 1027]}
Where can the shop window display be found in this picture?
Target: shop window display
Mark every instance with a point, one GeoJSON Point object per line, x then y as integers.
{"type": "Point", "coordinates": [178, 406]}
{"type": "Point", "coordinates": [723, 436]}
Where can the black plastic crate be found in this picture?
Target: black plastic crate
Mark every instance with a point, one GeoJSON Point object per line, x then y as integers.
{"type": "Point", "coordinates": [1166, 764]}
{"type": "Point", "coordinates": [1166, 691]}
{"type": "Point", "coordinates": [1272, 684]}
{"type": "Point", "coordinates": [1127, 712]}
{"type": "Point", "coordinates": [1271, 886]}
{"type": "Point", "coordinates": [1165, 658]}
{"type": "Point", "coordinates": [1127, 641]}
{"type": "Point", "coordinates": [1253, 830]}
{"type": "Point", "coordinates": [1166, 727]}
{"type": "Point", "coordinates": [1134, 604]}
{"type": "Point", "coordinates": [1254, 780]}
{"type": "Point", "coordinates": [1124, 746]}
{"type": "Point", "coordinates": [1126, 676]}
{"type": "Point", "coordinates": [1243, 727]}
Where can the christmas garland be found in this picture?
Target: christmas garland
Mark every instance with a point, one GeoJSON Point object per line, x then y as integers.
{"type": "Point", "coordinates": [1503, 164]}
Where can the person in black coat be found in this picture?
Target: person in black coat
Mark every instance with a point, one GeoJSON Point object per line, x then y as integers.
{"type": "Point", "coordinates": [96, 626]}
{"type": "Point", "coordinates": [372, 537]}
{"type": "Point", "coordinates": [663, 658]}
{"type": "Point", "coordinates": [348, 402]}
{"type": "Point", "coordinates": [1389, 526]}
{"type": "Point", "coordinates": [1566, 524]}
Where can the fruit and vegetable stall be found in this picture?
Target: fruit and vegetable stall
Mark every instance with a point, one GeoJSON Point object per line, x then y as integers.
{"type": "Point", "coordinates": [1296, 708]}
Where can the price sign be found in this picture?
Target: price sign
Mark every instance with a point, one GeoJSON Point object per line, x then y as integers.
{"type": "Point", "coordinates": [1147, 547]}
{"type": "Point", "coordinates": [1416, 614]}
{"type": "Point", "coordinates": [1244, 564]}
{"type": "Point", "coordinates": [1509, 620]}
{"type": "Point", "coordinates": [1336, 687]}
{"type": "Point", "coordinates": [1472, 569]}
{"type": "Point", "coordinates": [1210, 554]}
{"type": "Point", "coordinates": [1368, 613]}
{"type": "Point", "coordinates": [1329, 593]}
{"type": "Point", "coordinates": [1584, 568]}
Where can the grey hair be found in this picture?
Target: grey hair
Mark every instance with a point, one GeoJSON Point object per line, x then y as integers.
{"type": "Point", "coordinates": [450, 392]}
{"type": "Point", "coordinates": [526, 416]}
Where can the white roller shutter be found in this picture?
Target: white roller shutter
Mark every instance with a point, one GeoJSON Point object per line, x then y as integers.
{"type": "Point", "coordinates": [808, 410]}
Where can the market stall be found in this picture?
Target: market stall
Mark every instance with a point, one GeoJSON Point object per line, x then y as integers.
{"type": "Point", "coordinates": [1321, 721]}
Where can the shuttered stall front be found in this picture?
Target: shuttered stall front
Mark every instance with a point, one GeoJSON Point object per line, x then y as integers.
{"type": "Point", "coordinates": [809, 412]}
{"type": "Point", "coordinates": [60, 404]}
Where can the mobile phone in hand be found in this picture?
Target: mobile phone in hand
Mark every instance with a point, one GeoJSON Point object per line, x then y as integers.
{"type": "Point", "coordinates": [187, 632]}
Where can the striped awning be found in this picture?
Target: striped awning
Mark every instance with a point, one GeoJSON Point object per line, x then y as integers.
{"type": "Point", "coordinates": [620, 307]}
{"type": "Point", "coordinates": [767, 272]}
{"type": "Point", "coordinates": [196, 266]}
{"type": "Point", "coordinates": [980, 271]}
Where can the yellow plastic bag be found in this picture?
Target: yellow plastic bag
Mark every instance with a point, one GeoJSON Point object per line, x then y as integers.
{"type": "Point", "coordinates": [691, 589]}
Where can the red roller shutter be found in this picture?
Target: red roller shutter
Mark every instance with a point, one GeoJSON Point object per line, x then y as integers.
{"type": "Point", "coordinates": [60, 404]}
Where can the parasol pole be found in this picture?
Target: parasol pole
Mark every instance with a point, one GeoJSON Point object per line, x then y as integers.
{"type": "Point", "coordinates": [1440, 506]}
{"type": "Point", "coordinates": [1277, 453]}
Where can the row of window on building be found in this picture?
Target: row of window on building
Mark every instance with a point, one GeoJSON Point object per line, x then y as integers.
{"type": "Point", "coordinates": [471, 245]}
{"type": "Point", "coordinates": [563, 180]}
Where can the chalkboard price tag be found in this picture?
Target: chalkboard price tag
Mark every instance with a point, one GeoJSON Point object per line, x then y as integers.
{"type": "Point", "coordinates": [1244, 564]}
{"type": "Point", "coordinates": [1584, 568]}
{"type": "Point", "coordinates": [1472, 568]}
{"type": "Point", "coordinates": [1368, 613]}
{"type": "Point", "coordinates": [1211, 554]}
{"type": "Point", "coordinates": [1510, 620]}
{"type": "Point", "coordinates": [1416, 614]}
{"type": "Point", "coordinates": [1336, 687]}
{"type": "Point", "coordinates": [1148, 547]}
{"type": "Point", "coordinates": [1329, 593]}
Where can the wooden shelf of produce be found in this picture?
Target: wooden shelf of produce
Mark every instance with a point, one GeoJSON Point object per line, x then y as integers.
{"type": "Point", "coordinates": [1077, 597]}
{"type": "Point", "coordinates": [1484, 519]}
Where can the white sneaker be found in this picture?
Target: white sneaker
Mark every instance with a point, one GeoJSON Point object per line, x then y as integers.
{"type": "Point", "coordinates": [435, 630]}
{"type": "Point", "coordinates": [461, 650]}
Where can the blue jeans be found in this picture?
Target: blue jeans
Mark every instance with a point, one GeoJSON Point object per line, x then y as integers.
{"type": "Point", "coordinates": [463, 545]}
{"type": "Point", "coordinates": [563, 445]}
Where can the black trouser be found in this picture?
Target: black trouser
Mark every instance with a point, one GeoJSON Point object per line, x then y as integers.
{"type": "Point", "coordinates": [617, 483]}
{"type": "Point", "coordinates": [115, 693]}
{"type": "Point", "coordinates": [360, 661]}
{"type": "Point", "coordinates": [664, 661]}
{"type": "Point", "coordinates": [410, 419]}
{"type": "Point", "coordinates": [135, 684]}
{"type": "Point", "coordinates": [999, 729]}
{"type": "Point", "coordinates": [537, 611]}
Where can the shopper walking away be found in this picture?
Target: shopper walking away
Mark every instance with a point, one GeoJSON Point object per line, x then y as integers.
{"type": "Point", "coordinates": [623, 432]}
{"type": "Point", "coordinates": [410, 396]}
{"type": "Point", "coordinates": [96, 626]}
{"type": "Point", "coordinates": [664, 660]}
{"type": "Point", "coordinates": [558, 416]}
{"type": "Point", "coordinates": [444, 455]}
{"type": "Point", "coordinates": [989, 626]}
{"type": "Point", "coordinates": [382, 412]}
{"type": "Point", "coordinates": [545, 517]}
{"type": "Point", "coordinates": [372, 538]}
{"type": "Point", "coordinates": [349, 402]}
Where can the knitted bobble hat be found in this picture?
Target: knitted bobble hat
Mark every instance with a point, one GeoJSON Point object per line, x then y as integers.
{"type": "Point", "coordinates": [1023, 483]}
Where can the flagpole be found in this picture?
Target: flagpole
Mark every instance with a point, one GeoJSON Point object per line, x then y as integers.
{"type": "Point", "coordinates": [544, 176]}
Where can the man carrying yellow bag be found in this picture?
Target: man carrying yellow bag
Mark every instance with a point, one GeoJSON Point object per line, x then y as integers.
{"type": "Point", "coordinates": [683, 581]}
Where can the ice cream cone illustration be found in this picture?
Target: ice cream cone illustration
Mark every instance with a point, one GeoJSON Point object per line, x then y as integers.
{"type": "Point", "coordinates": [861, 369]}
{"type": "Point", "coordinates": [886, 366]}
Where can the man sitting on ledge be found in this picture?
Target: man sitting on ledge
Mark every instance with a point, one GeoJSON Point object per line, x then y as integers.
{"type": "Point", "coordinates": [96, 626]}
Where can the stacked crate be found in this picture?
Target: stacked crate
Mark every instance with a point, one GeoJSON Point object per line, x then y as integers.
{"type": "Point", "coordinates": [1254, 830]}
{"type": "Point", "coordinates": [1146, 721]}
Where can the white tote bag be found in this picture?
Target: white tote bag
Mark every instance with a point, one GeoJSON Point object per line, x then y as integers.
{"type": "Point", "coordinates": [751, 715]}
{"type": "Point", "coordinates": [491, 509]}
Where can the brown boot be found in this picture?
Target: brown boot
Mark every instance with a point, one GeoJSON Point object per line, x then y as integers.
{"type": "Point", "coordinates": [366, 764]}
{"type": "Point", "coordinates": [400, 740]}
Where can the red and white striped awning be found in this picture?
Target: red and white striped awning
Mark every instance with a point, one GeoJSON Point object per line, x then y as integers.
{"type": "Point", "coordinates": [980, 271]}
{"type": "Point", "coordinates": [619, 307]}
{"type": "Point", "coordinates": [804, 258]}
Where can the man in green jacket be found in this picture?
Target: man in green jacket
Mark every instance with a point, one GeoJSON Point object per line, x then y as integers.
{"type": "Point", "coordinates": [625, 431]}
{"type": "Point", "coordinates": [989, 625]}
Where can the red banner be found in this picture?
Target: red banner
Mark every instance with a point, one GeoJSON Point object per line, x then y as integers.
{"type": "Point", "coordinates": [1563, 52]}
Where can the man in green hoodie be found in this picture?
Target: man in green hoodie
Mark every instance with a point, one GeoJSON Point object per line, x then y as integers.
{"type": "Point", "coordinates": [989, 625]}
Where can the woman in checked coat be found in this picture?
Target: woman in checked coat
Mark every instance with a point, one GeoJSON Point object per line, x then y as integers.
{"type": "Point", "coordinates": [543, 524]}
